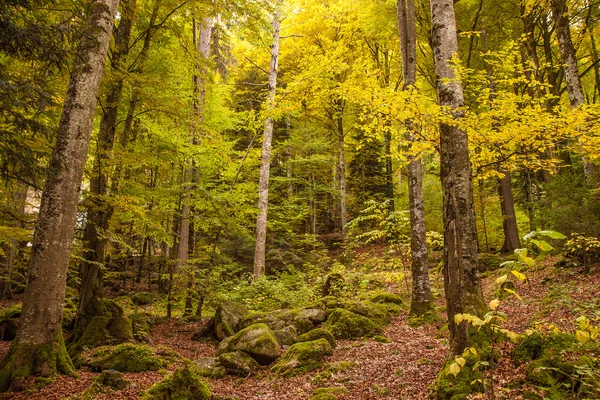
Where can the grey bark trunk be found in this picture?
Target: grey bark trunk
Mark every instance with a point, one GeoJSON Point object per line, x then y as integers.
{"type": "Point", "coordinates": [98, 212]}
{"type": "Point", "coordinates": [509, 218]}
{"type": "Point", "coordinates": [421, 301]}
{"type": "Point", "coordinates": [461, 276]}
{"type": "Point", "coordinates": [265, 163]}
{"type": "Point", "coordinates": [341, 169]}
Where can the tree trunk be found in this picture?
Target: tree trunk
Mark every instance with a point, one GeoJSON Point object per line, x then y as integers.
{"type": "Point", "coordinates": [509, 217]}
{"type": "Point", "coordinates": [339, 125]}
{"type": "Point", "coordinates": [39, 348]}
{"type": "Point", "coordinates": [461, 277]}
{"type": "Point", "coordinates": [265, 163]}
{"type": "Point", "coordinates": [421, 301]}
{"type": "Point", "coordinates": [98, 212]}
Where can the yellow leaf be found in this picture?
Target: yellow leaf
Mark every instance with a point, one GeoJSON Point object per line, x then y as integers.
{"type": "Point", "coordinates": [494, 304]}
{"type": "Point", "coordinates": [582, 337]}
{"type": "Point", "coordinates": [460, 361]}
{"type": "Point", "coordinates": [454, 369]}
{"type": "Point", "coordinates": [458, 318]}
{"type": "Point", "coordinates": [502, 279]}
{"type": "Point", "coordinates": [519, 275]}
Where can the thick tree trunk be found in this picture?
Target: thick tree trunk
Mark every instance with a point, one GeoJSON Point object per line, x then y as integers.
{"type": "Point", "coordinates": [421, 301]}
{"type": "Point", "coordinates": [39, 348]}
{"type": "Point", "coordinates": [461, 277]}
{"type": "Point", "coordinates": [509, 217]}
{"type": "Point", "coordinates": [265, 163]}
{"type": "Point", "coordinates": [98, 212]}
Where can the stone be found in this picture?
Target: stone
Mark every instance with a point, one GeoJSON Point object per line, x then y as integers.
{"type": "Point", "coordinates": [112, 378]}
{"type": "Point", "coordinates": [227, 318]}
{"type": "Point", "coordinates": [183, 384]}
{"type": "Point", "coordinates": [303, 357]}
{"type": "Point", "coordinates": [319, 333]}
{"type": "Point", "coordinates": [257, 340]}
{"type": "Point", "coordinates": [286, 336]}
{"type": "Point", "coordinates": [206, 329]}
{"type": "Point", "coordinates": [344, 324]}
{"type": "Point", "coordinates": [238, 363]}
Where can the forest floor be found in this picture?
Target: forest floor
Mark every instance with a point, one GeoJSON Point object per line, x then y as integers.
{"type": "Point", "coordinates": [406, 368]}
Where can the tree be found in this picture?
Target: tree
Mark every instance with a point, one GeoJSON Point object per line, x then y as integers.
{"type": "Point", "coordinates": [39, 348]}
{"type": "Point", "coordinates": [265, 163]}
{"type": "Point", "coordinates": [421, 301]}
{"type": "Point", "coordinates": [461, 276]}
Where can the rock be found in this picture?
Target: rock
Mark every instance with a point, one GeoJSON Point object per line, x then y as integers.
{"type": "Point", "coordinates": [379, 315]}
{"type": "Point", "coordinates": [319, 333]}
{"type": "Point", "coordinates": [140, 327]}
{"type": "Point", "coordinates": [183, 384]}
{"type": "Point", "coordinates": [238, 363]}
{"type": "Point", "coordinates": [127, 357]}
{"type": "Point", "coordinates": [303, 320]}
{"type": "Point", "coordinates": [270, 320]}
{"type": "Point", "coordinates": [286, 336]}
{"type": "Point", "coordinates": [207, 329]}
{"type": "Point", "coordinates": [210, 367]}
{"type": "Point", "coordinates": [113, 379]}
{"type": "Point", "coordinates": [344, 324]}
{"type": "Point", "coordinates": [303, 357]}
{"type": "Point", "coordinates": [227, 318]}
{"type": "Point", "coordinates": [387, 298]}
{"type": "Point", "coordinates": [257, 340]}
{"type": "Point", "coordinates": [9, 322]}
{"type": "Point", "coordinates": [142, 298]}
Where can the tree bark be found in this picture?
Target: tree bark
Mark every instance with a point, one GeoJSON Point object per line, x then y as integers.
{"type": "Point", "coordinates": [421, 301]}
{"type": "Point", "coordinates": [265, 163]}
{"type": "Point", "coordinates": [39, 348]}
{"type": "Point", "coordinates": [98, 212]}
{"type": "Point", "coordinates": [339, 122]}
{"type": "Point", "coordinates": [509, 217]}
{"type": "Point", "coordinates": [461, 277]}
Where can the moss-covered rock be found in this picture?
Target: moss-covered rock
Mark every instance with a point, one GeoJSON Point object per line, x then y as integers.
{"type": "Point", "coordinates": [379, 315]}
{"type": "Point", "coordinates": [112, 378]}
{"type": "Point", "coordinates": [333, 285]}
{"type": "Point", "coordinates": [140, 326]}
{"type": "Point", "coordinates": [344, 324]}
{"type": "Point", "coordinates": [303, 357]}
{"type": "Point", "coordinates": [127, 357]}
{"type": "Point", "coordinates": [228, 315]}
{"type": "Point", "coordinates": [385, 298]}
{"type": "Point", "coordinates": [9, 322]}
{"type": "Point", "coordinates": [210, 367]}
{"type": "Point", "coordinates": [183, 384]}
{"type": "Point", "coordinates": [142, 299]}
{"type": "Point", "coordinates": [286, 336]}
{"type": "Point", "coordinates": [257, 340]}
{"type": "Point", "coordinates": [381, 339]}
{"type": "Point", "coordinates": [303, 320]}
{"type": "Point", "coordinates": [319, 333]}
{"type": "Point", "coordinates": [330, 393]}
{"type": "Point", "coordinates": [536, 346]}
{"type": "Point", "coordinates": [238, 363]}
{"type": "Point", "coordinates": [205, 330]}
{"type": "Point", "coordinates": [268, 319]}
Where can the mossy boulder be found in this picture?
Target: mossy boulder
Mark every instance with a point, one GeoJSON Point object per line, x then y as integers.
{"type": "Point", "coordinates": [379, 315]}
{"type": "Point", "coordinates": [127, 357]}
{"type": "Point", "coordinates": [286, 336]}
{"type": "Point", "coordinates": [330, 393]}
{"type": "Point", "coordinates": [140, 325]}
{"type": "Point", "coordinates": [332, 368]}
{"type": "Point", "coordinates": [206, 329]}
{"type": "Point", "coordinates": [268, 319]}
{"type": "Point", "coordinates": [344, 324]}
{"type": "Point", "coordinates": [489, 262]}
{"type": "Point", "coordinates": [536, 346]}
{"type": "Point", "coordinates": [183, 384]}
{"type": "Point", "coordinates": [387, 298]}
{"type": "Point", "coordinates": [303, 357]}
{"type": "Point", "coordinates": [142, 299]}
{"type": "Point", "coordinates": [113, 379]}
{"type": "Point", "coordinates": [210, 367]}
{"type": "Point", "coordinates": [228, 315]}
{"type": "Point", "coordinates": [319, 333]}
{"type": "Point", "coordinates": [257, 340]}
{"type": "Point", "coordinates": [303, 320]}
{"type": "Point", "coordinates": [238, 363]}
{"type": "Point", "coordinates": [9, 322]}
{"type": "Point", "coordinates": [334, 284]}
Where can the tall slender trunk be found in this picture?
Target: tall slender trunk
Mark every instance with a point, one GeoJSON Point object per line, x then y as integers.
{"type": "Point", "coordinates": [17, 197]}
{"type": "Point", "coordinates": [265, 163]}
{"type": "Point", "coordinates": [98, 211]}
{"type": "Point", "coordinates": [421, 301]}
{"type": "Point", "coordinates": [461, 277]}
{"type": "Point", "coordinates": [339, 123]}
{"type": "Point", "coordinates": [509, 217]}
{"type": "Point", "coordinates": [38, 348]}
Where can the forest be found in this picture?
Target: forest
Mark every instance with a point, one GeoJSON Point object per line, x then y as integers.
{"type": "Point", "coordinates": [299, 199]}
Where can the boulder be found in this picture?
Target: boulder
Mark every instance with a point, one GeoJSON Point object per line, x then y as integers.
{"type": "Point", "coordinates": [207, 329]}
{"type": "Point", "coordinates": [387, 298]}
{"type": "Point", "coordinates": [303, 320]}
{"type": "Point", "coordinates": [126, 357]}
{"type": "Point", "coordinates": [286, 336]}
{"type": "Point", "coordinates": [142, 298]}
{"type": "Point", "coordinates": [183, 384]}
{"type": "Point", "coordinates": [227, 318]}
{"type": "Point", "coordinates": [238, 363]}
{"type": "Point", "coordinates": [141, 327]}
{"type": "Point", "coordinates": [210, 367]}
{"type": "Point", "coordinates": [303, 357]}
{"type": "Point", "coordinates": [379, 315]}
{"type": "Point", "coordinates": [319, 333]}
{"type": "Point", "coordinates": [257, 340]}
{"type": "Point", "coordinates": [270, 320]}
{"type": "Point", "coordinates": [112, 378]}
{"type": "Point", "coordinates": [344, 324]}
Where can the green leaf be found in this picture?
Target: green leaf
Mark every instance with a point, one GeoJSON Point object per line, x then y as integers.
{"type": "Point", "coordinates": [542, 245]}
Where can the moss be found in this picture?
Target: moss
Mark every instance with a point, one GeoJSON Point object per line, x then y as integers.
{"type": "Point", "coordinates": [257, 340]}
{"type": "Point", "coordinates": [209, 367]}
{"type": "Point", "coordinates": [387, 298]}
{"type": "Point", "coordinates": [344, 324]}
{"type": "Point", "coordinates": [303, 357]}
{"type": "Point", "coordinates": [391, 308]}
{"type": "Point", "coordinates": [323, 396]}
{"type": "Point", "coordinates": [332, 368]}
{"type": "Point", "coordinates": [140, 327]}
{"type": "Point", "coordinates": [142, 299]}
{"type": "Point", "coordinates": [319, 333]}
{"type": "Point", "coordinates": [126, 357]}
{"type": "Point", "coordinates": [430, 317]}
{"type": "Point", "coordinates": [535, 346]}
{"type": "Point", "coordinates": [183, 384]}
{"type": "Point", "coordinates": [449, 387]}
{"type": "Point", "coordinates": [381, 339]}
{"type": "Point", "coordinates": [9, 322]}
{"type": "Point", "coordinates": [367, 309]}
{"type": "Point", "coordinates": [328, 393]}
{"type": "Point", "coordinates": [227, 318]}
{"type": "Point", "coordinates": [112, 378]}
{"type": "Point", "coordinates": [286, 336]}
{"type": "Point", "coordinates": [25, 360]}
{"type": "Point", "coordinates": [489, 262]}
{"type": "Point", "coordinates": [238, 363]}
